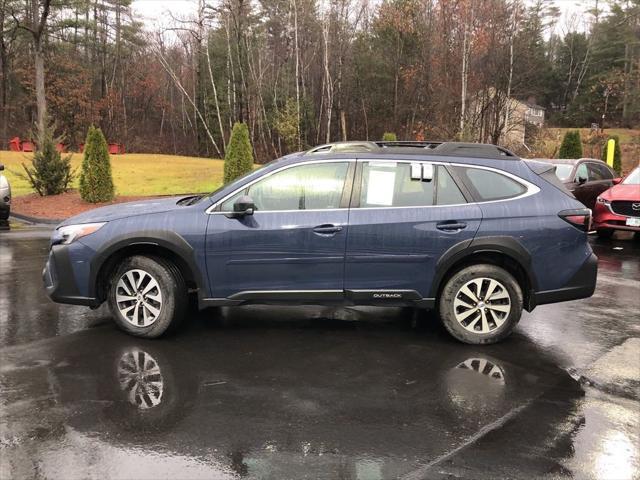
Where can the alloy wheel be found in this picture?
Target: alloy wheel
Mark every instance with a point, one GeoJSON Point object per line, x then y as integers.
{"type": "Point", "coordinates": [482, 305]}
{"type": "Point", "coordinates": [138, 298]}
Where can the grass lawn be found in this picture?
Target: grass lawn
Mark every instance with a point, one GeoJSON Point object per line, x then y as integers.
{"type": "Point", "coordinates": [135, 173]}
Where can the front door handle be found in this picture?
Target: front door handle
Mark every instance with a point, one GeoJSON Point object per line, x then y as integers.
{"type": "Point", "coordinates": [451, 226]}
{"type": "Point", "coordinates": [327, 229]}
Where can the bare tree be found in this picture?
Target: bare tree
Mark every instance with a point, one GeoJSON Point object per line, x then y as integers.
{"type": "Point", "coordinates": [37, 14]}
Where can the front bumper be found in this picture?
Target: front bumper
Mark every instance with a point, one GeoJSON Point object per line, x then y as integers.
{"type": "Point", "coordinates": [581, 285]}
{"type": "Point", "coordinates": [605, 219]}
{"type": "Point", "coordinates": [59, 279]}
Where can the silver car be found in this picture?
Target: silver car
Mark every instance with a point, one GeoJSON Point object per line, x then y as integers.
{"type": "Point", "coordinates": [5, 196]}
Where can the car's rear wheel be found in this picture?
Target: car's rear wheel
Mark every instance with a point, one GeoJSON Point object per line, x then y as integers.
{"type": "Point", "coordinates": [148, 296]}
{"type": "Point", "coordinates": [605, 232]}
{"type": "Point", "coordinates": [481, 304]}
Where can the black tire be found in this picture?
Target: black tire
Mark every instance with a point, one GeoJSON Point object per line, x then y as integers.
{"type": "Point", "coordinates": [605, 232]}
{"type": "Point", "coordinates": [175, 300]}
{"type": "Point", "coordinates": [457, 281]}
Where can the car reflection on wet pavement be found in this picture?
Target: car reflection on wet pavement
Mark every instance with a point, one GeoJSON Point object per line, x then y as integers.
{"type": "Point", "coordinates": [311, 392]}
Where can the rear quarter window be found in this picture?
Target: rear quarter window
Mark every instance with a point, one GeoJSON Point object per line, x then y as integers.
{"type": "Point", "coordinates": [487, 185]}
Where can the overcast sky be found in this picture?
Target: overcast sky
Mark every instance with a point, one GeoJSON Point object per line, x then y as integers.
{"type": "Point", "coordinates": [155, 11]}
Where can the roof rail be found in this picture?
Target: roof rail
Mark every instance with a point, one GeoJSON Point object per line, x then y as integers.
{"type": "Point", "coordinates": [486, 150]}
{"type": "Point", "coordinates": [408, 143]}
{"type": "Point", "coordinates": [461, 149]}
{"type": "Point", "coordinates": [346, 147]}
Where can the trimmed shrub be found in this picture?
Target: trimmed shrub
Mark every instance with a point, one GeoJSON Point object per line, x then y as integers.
{"type": "Point", "coordinates": [571, 146]}
{"type": "Point", "coordinates": [389, 137]}
{"type": "Point", "coordinates": [49, 173]}
{"type": "Point", "coordinates": [617, 153]}
{"type": "Point", "coordinates": [238, 159]}
{"type": "Point", "coordinates": [96, 182]}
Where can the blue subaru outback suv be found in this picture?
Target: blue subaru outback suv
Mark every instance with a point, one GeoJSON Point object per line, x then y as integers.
{"type": "Point", "coordinates": [469, 230]}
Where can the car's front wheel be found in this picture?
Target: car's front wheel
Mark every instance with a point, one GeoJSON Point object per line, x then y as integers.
{"type": "Point", "coordinates": [481, 304]}
{"type": "Point", "coordinates": [147, 296]}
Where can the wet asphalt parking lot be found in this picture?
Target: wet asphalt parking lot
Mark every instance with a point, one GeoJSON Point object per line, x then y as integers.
{"type": "Point", "coordinates": [316, 392]}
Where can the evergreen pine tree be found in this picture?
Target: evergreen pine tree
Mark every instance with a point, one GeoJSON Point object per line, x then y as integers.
{"type": "Point", "coordinates": [49, 173]}
{"type": "Point", "coordinates": [96, 182]}
{"type": "Point", "coordinates": [238, 159]}
{"type": "Point", "coordinates": [571, 146]}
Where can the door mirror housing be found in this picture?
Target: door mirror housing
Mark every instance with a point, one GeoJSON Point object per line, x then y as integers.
{"type": "Point", "coordinates": [242, 207]}
{"type": "Point", "coordinates": [616, 181]}
{"type": "Point", "coordinates": [580, 180]}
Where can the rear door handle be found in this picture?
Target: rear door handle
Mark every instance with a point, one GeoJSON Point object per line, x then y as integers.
{"type": "Point", "coordinates": [327, 229]}
{"type": "Point", "coordinates": [451, 226]}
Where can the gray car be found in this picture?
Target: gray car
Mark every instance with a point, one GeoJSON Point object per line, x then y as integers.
{"type": "Point", "coordinates": [5, 197]}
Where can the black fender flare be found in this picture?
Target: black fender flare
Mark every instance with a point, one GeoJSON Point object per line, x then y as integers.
{"type": "Point", "coordinates": [502, 245]}
{"type": "Point", "coordinates": [164, 239]}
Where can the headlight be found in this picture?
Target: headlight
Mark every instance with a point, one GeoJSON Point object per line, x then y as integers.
{"type": "Point", "coordinates": [603, 201]}
{"type": "Point", "coordinates": [70, 233]}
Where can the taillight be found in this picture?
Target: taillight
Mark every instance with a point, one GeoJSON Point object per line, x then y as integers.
{"type": "Point", "coordinates": [580, 218]}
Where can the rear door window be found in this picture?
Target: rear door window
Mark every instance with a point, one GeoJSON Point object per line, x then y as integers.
{"type": "Point", "coordinates": [389, 184]}
{"type": "Point", "coordinates": [487, 185]}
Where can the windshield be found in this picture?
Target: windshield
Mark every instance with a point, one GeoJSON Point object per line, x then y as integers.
{"type": "Point", "coordinates": [563, 171]}
{"type": "Point", "coordinates": [633, 178]}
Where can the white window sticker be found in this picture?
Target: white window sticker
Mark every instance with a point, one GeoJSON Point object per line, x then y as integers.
{"type": "Point", "coordinates": [380, 187]}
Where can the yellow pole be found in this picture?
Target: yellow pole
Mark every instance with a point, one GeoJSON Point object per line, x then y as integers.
{"type": "Point", "coordinates": [611, 147]}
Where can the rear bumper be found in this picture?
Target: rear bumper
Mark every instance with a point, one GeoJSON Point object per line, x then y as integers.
{"type": "Point", "coordinates": [581, 285]}
{"type": "Point", "coordinates": [59, 279]}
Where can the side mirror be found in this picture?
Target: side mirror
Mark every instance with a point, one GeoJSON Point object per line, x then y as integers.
{"type": "Point", "coordinates": [243, 206]}
{"type": "Point", "coordinates": [616, 181]}
{"type": "Point", "coordinates": [581, 180]}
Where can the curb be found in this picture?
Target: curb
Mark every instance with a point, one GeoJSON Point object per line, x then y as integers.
{"type": "Point", "coordinates": [26, 218]}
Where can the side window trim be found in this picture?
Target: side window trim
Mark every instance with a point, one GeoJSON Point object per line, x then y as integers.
{"type": "Point", "coordinates": [216, 208]}
{"type": "Point", "coordinates": [348, 187]}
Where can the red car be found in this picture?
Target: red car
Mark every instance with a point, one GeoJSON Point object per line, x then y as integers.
{"type": "Point", "coordinates": [619, 207]}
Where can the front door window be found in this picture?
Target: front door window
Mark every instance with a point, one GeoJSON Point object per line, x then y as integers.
{"type": "Point", "coordinates": [314, 186]}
